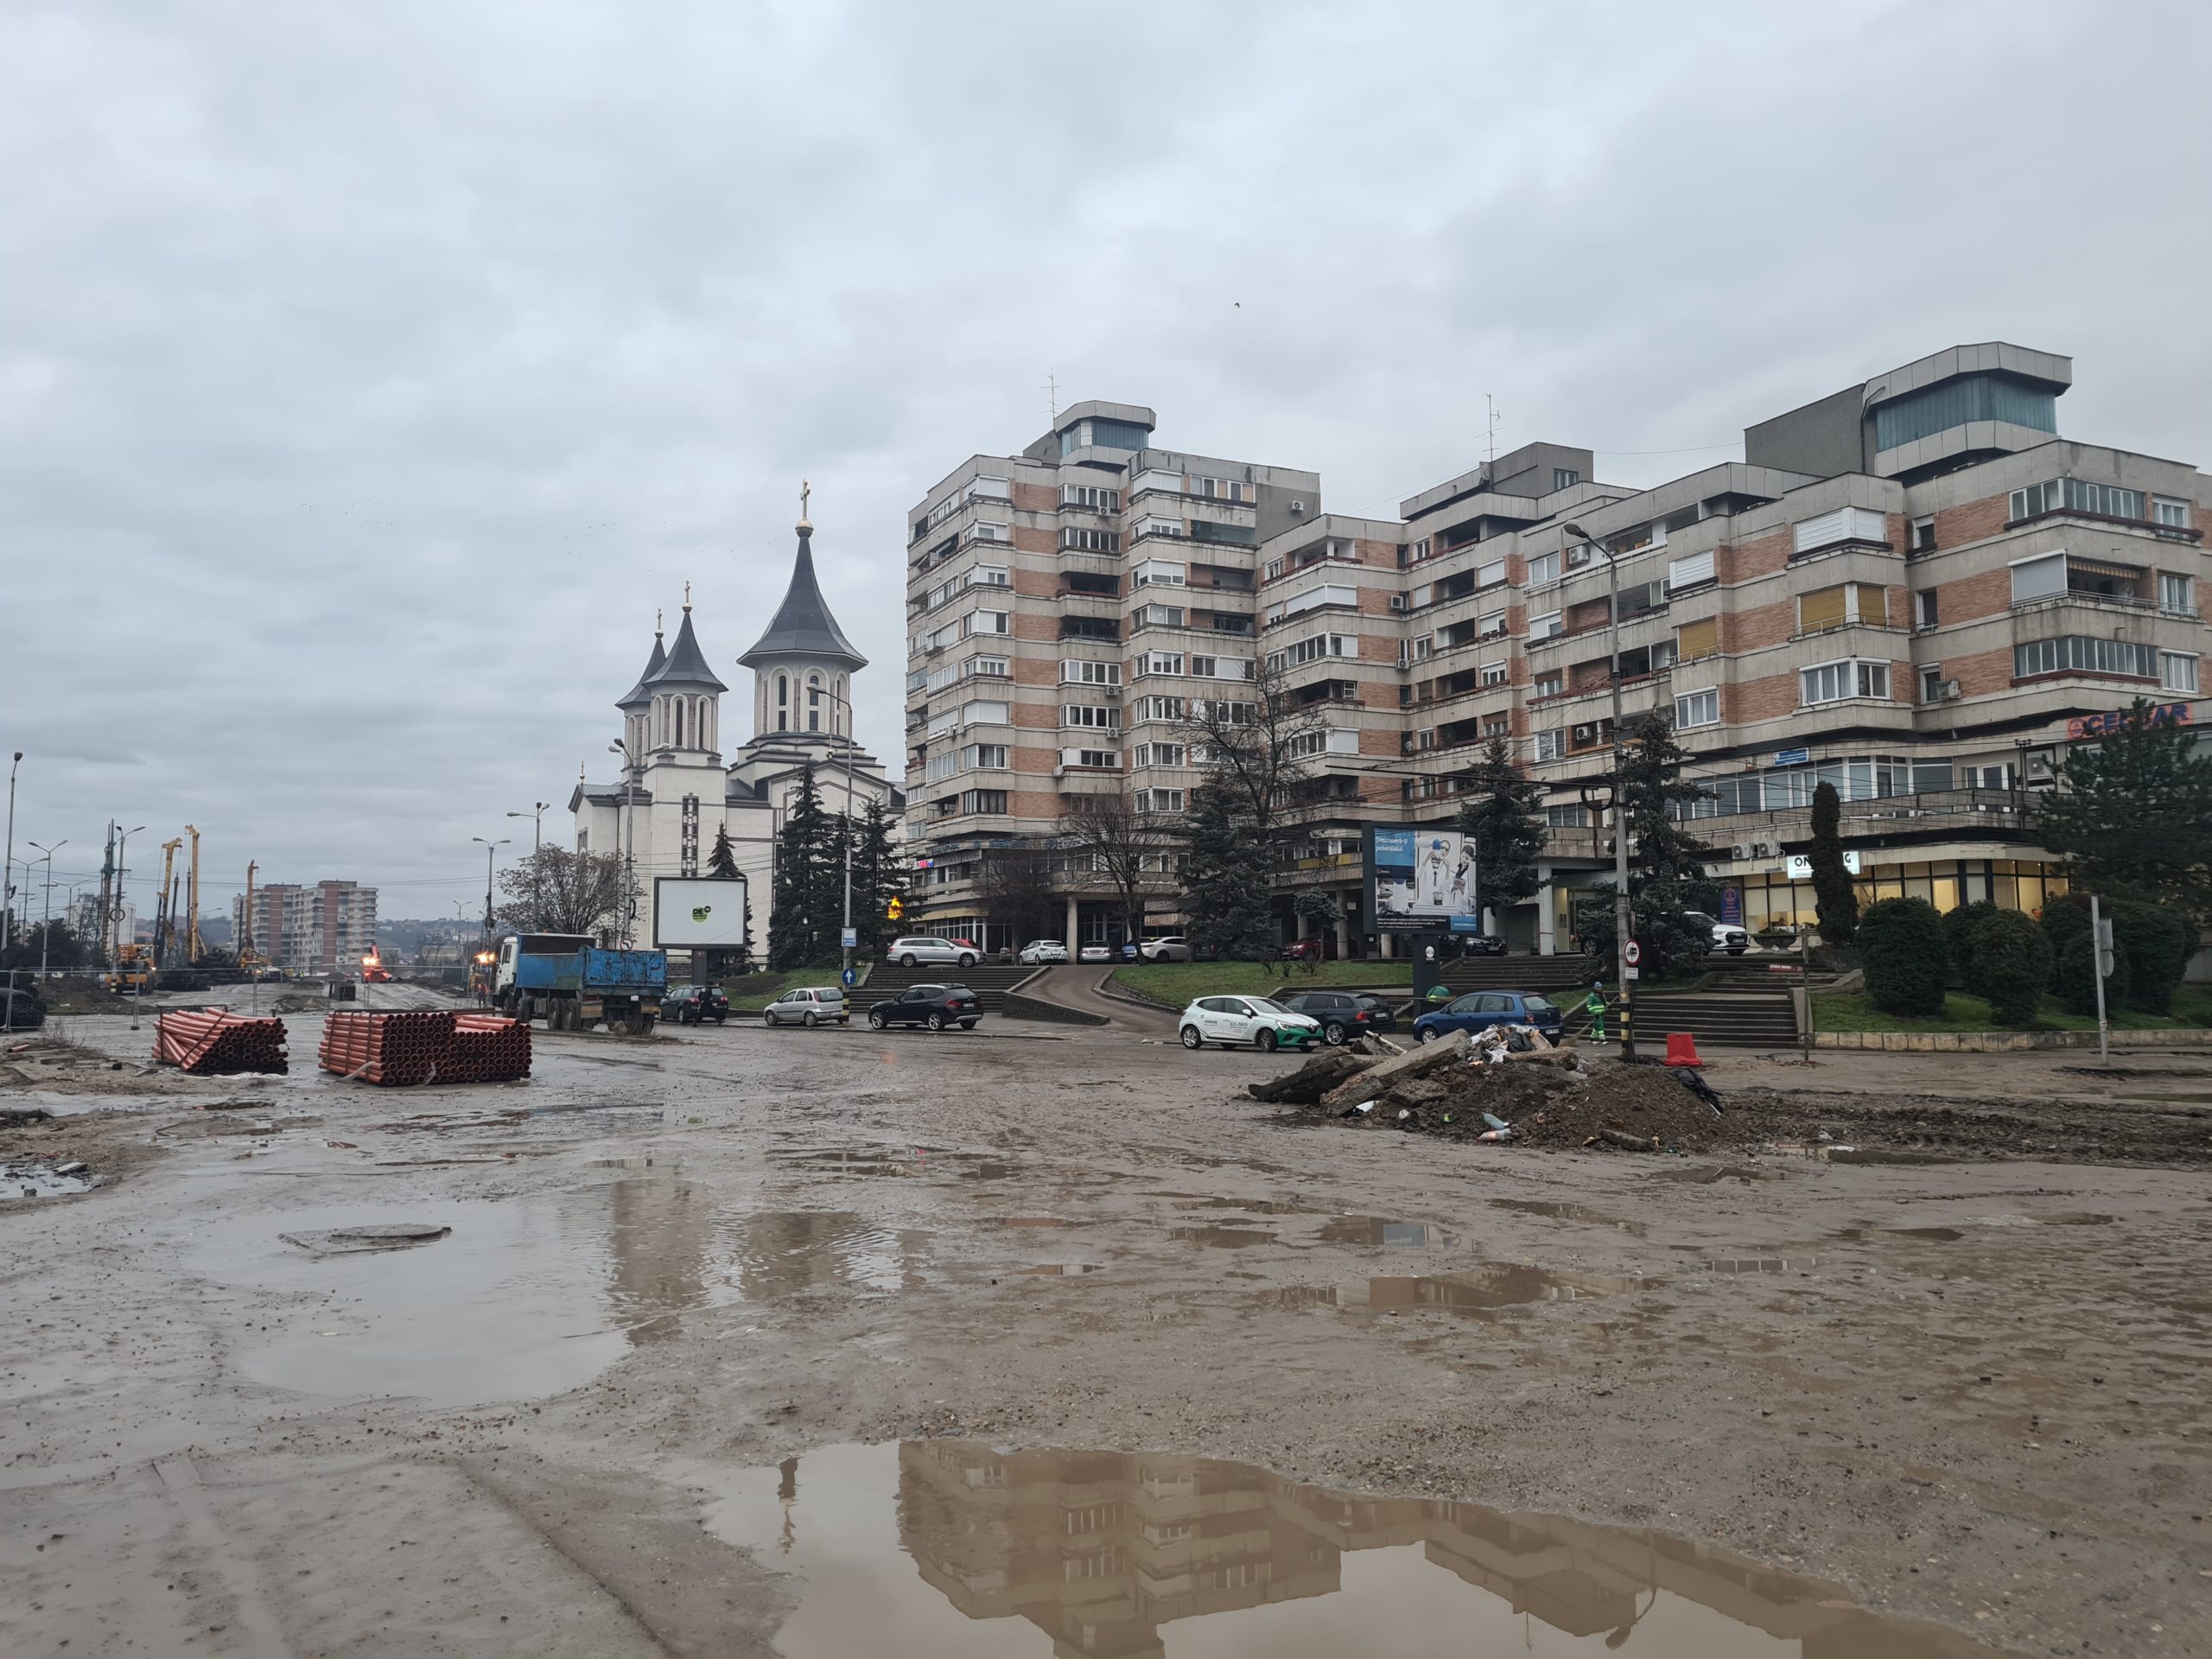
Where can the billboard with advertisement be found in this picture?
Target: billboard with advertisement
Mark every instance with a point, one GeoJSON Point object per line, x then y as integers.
{"type": "Point", "coordinates": [1421, 879]}
{"type": "Point", "coordinates": [699, 912]}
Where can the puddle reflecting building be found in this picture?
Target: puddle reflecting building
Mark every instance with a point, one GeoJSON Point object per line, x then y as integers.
{"type": "Point", "coordinates": [1103, 1550]}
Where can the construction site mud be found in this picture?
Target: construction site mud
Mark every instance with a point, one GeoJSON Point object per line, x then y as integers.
{"type": "Point", "coordinates": [839, 1342]}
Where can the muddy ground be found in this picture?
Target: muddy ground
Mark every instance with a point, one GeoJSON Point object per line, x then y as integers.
{"type": "Point", "coordinates": [1037, 1340]}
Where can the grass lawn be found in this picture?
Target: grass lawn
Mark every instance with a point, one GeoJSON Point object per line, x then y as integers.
{"type": "Point", "coordinates": [762, 989]}
{"type": "Point", "coordinates": [1854, 1011]}
{"type": "Point", "coordinates": [1174, 983]}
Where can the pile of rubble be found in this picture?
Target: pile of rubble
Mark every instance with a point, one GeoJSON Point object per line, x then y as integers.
{"type": "Point", "coordinates": [1532, 1095]}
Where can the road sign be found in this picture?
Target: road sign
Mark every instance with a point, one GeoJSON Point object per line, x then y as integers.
{"type": "Point", "coordinates": [1792, 757]}
{"type": "Point", "coordinates": [850, 977]}
{"type": "Point", "coordinates": [1634, 973]}
{"type": "Point", "coordinates": [849, 937]}
{"type": "Point", "coordinates": [2104, 950]}
{"type": "Point", "coordinates": [1633, 954]}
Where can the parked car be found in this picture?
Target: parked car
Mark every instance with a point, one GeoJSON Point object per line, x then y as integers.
{"type": "Point", "coordinates": [1095, 953]}
{"type": "Point", "coordinates": [1479, 944]}
{"type": "Point", "coordinates": [21, 1009]}
{"type": "Point", "coordinates": [1259, 1020]}
{"type": "Point", "coordinates": [1039, 950]}
{"type": "Point", "coordinates": [1479, 1010]}
{"type": "Point", "coordinates": [1175, 947]}
{"type": "Point", "coordinates": [1343, 1015]}
{"type": "Point", "coordinates": [934, 1006]}
{"type": "Point", "coordinates": [1733, 940]}
{"type": "Point", "coordinates": [694, 1005]}
{"type": "Point", "coordinates": [1302, 951]}
{"type": "Point", "coordinates": [909, 951]}
{"type": "Point", "coordinates": [808, 1005]}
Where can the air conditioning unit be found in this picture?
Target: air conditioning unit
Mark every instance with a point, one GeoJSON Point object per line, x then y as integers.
{"type": "Point", "coordinates": [1762, 849]}
{"type": "Point", "coordinates": [1298, 506]}
{"type": "Point", "coordinates": [1585, 735]}
{"type": "Point", "coordinates": [1398, 602]}
{"type": "Point", "coordinates": [1740, 853]}
{"type": "Point", "coordinates": [1951, 692]}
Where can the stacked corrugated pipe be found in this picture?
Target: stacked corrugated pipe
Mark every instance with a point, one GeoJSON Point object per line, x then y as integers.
{"type": "Point", "coordinates": [404, 1049]}
{"type": "Point", "coordinates": [212, 1042]}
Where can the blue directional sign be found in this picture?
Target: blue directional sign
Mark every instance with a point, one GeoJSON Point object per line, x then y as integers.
{"type": "Point", "coordinates": [850, 977]}
{"type": "Point", "coordinates": [1792, 757]}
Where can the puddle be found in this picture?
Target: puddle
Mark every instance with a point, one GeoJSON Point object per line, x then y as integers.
{"type": "Point", "coordinates": [1708, 1174]}
{"type": "Point", "coordinates": [373, 1235]}
{"type": "Point", "coordinates": [1059, 1269]}
{"type": "Point", "coordinates": [945, 1549]}
{"type": "Point", "coordinates": [622, 1163]}
{"type": "Point", "coordinates": [1571, 1212]}
{"type": "Point", "coordinates": [1506, 1285]}
{"type": "Point", "coordinates": [1940, 1235]}
{"type": "Point", "coordinates": [1880, 1156]}
{"type": "Point", "coordinates": [2074, 1218]}
{"type": "Point", "coordinates": [1302, 1295]}
{"type": "Point", "coordinates": [1378, 1231]}
{"type": "Point", "coordinates": [1223, 1238]}
{"type": "Point", "coordinates": [1752, 1264]}
{"type": "Point", "coordinates": [527, 1296]}
{"type": "Point", "coordinates": [22, 1181]}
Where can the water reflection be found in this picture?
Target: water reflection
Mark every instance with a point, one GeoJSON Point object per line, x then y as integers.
{"type": "Point", "coordinates": [934, 1548]}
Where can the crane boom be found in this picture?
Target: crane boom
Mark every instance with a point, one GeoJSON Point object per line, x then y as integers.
{"type": "Point", "coordinates": [164, 904]}
{"type": "Point", "coordinates": [193, 947]}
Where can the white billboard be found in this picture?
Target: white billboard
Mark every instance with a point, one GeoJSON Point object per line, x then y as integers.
{"type": "Point", "coordinates": [1423, 878]}
{"type": "Point", "coordinates": [699, 912]}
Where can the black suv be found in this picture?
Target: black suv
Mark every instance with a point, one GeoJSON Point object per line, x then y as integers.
{"type": "Point", "coordinates": [1343, 1015]}
{"type": "Point", "coordinates": [694, 1005]}
{"type": "Point", "coordinates": [934, 1006]}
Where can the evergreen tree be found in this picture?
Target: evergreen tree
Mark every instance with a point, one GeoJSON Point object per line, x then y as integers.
{"type": "Point", "coordinates": [722, 861]}
{"type": "Point", "coordinates": [1666, 869]}
{"type": "Point", "coordinates": [1225, 888]}
{"type": "Point", "coordinates": [1833, 892]}
{"type": "Point", "coordinates": [1500, 820]}
{"type": "Point", "coordinates": [798, 914]}
{"type": "Point", "coordinates": [877, 878]}
{"type": "Point", "coordinates": [2132, 814]}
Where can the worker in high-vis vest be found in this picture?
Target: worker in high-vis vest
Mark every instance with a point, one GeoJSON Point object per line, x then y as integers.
{"type": "Point", "coordinates": [1594, 1006]}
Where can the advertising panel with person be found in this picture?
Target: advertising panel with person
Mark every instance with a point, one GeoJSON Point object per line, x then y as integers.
{"type": "Point", "coordinates": [1422, 879]}
{"type": "Point", "coordinates": [699, 912]}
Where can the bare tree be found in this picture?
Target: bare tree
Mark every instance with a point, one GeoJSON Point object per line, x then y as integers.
{"type": "Point", "coordinates": [1257, 742]}
{"type": "Point", "coordinates": [555, 891]}
{"type": "Point", "coordinates": [1110, 841]}
{"type": "Point", "coordinates": [1017, 886]}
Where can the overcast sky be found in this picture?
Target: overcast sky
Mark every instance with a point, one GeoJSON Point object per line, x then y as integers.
{"type": "Point", "coordinates": [369, 374]}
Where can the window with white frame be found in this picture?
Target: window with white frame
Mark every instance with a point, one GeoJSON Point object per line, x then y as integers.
{"type": "Point", "coordinates": [1932, 682]}
{"type": "Point", "coordinates": [1221, 667]}
{"type": "Point", "coordinates": [986, 714]}
{"type": "Point", "coordinates": [1160, 573]}
{"type": "Point", "coordinates": [1080, 538]}
{"type": "Point", "coordinates": [2178, 672]}
{"type": "Point", "coordinates": [2084, 654]}
{"type": "Point", "coordinates": [1489, 575]}
{"type": "Point", "coordinates": [1221, 708]}
{"type": "Point", "coordinates": [987, 668]}
{"type": "Point", "coordinates": [983, 800]}
{"type": "Point", "coordinates": [942, 766]}
{"type": "Point", "coordinates": [1566, 817]}
{"type": "Point", "coordinates": [1157, 526]}
{"type": "Point", "coordinates": [1157, 754]}
{"type": "Point", "coordinates": [2174, 594]}
{"type": "Point", "coordinates": [2168, 513]}
{"type": "Point", "coordinates": [1548, 685]}
{"type": "Point", "coordinates": [1495, 673]}
{"type": "Point", "coordinates": [1159, 662]}
{"type": "Point", "coordinates": [1157, 616]}
{"type": "Point", "coordinates": [1225, 489]}
{"type": "Point", "coordinates": [984, 622]}
{"type": "Point", "coordinates": [1090, 496]}
{"type": "Point", "coordinates": [1924, 608]}
{"type": "Point", "coordinates": [990, 532]}
{"type": "Point", "coordinates": [1851, 678]}
{"type": "Point", "coordinates": [1090, 715]}
{"type": "Point", "coordinates": [1491, 626]}
{"type": "Point", "coordinates": [989, 575]}
{"type": "Point", "coordinates": [1545, 626]}
{"type": "Point", "coordinates": [1160, 800]}
{"type": "Point", "coordinates": [1543, 570]}
{"type": "Point", "coordinates": [1300, 651]}
{"type": "Point", "coordinates": [1079, 671]}
{"type": "Point", "coordinates": [1158, 709]}
{"type": "Point", "coordinates": [1547, 746]}
{"type": "Point", "coordinates": [986, 757]}
{"type": "Point", "coordinates": [1698, 709]}
{"type": "Point", "coordinates": [1694, 570]}
{"type": "Point", "coordinates": [1096, 757]}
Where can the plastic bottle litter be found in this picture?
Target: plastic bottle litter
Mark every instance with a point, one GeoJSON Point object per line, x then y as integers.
{"type": "Point", "coordinates": [1496, 1122]}
{"type": "Point", "coordinates": [1495, 1137]}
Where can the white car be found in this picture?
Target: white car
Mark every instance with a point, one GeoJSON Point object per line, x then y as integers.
{"type": "Point", "coordinates": [1173, 948]}
{"type": "Point", "coordinates": [1259, 1020]}
{"type": "Point", "coordinates": [808, 1005]}
{"type": "Point", "coordinates": [1039, 950]}
{"type": "Point", "coordinates": [1096, 953]}
{"type": "Point", "coordinates": [1733, 940]}
{"type": "Point", "coordinates": [907, 952]}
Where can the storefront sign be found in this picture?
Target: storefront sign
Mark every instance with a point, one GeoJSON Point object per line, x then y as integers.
{"type": "Point", "coordinates": [2159, 714]}
{"type": "Point", "coordinates": [1801, 869]}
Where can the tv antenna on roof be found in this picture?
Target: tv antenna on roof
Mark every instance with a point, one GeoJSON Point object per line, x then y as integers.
{"type": "Point", "coordinates": [1490, 406]}
{"type": "Point", "coordinates": [1052, 398]}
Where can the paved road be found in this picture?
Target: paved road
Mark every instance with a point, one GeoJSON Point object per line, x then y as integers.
{"type": "Point", "coordinates": [1075, 986]}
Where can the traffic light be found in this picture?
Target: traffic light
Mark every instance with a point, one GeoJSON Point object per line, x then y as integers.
{"type": "Point", "coordinates": [896, 909]}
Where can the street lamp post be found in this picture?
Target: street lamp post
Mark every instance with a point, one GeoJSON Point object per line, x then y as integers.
{"type": "Point", "coordinates": [844, 949]}
{"type": "Point", "coordinates": [490, 852]}
{"type": "Point", "coordinates": [625, 841]}
{"type": "Point", "coordinates": [45, 916]}
{"type": "Point", "coordinates": [137, 979]}
{"type": "Point", "coordinates": [1623, 911]}
{"type": "Point", "coordinates": [8, 875]}
{"type": "Point", "coordinates": [536, 817]}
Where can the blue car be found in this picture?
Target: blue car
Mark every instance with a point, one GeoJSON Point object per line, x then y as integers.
{"type": "Point", "coordinates": [1478, 1010]}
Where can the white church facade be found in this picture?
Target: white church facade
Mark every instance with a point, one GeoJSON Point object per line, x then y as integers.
{"type": "Point", "coordinates": [673, 792]}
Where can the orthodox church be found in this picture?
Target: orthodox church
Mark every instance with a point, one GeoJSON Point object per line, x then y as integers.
{"type": "Point", "coordinates": [674, 791]}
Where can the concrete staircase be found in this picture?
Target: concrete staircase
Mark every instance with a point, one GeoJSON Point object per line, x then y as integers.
{"type": "Point", "coordinates": [1731, 1019]}
{"type": "Point", "coordinates": [990, 981]}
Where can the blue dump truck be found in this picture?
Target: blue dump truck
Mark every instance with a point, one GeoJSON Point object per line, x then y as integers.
{"type": "Point", "coordinates": [572, 984]}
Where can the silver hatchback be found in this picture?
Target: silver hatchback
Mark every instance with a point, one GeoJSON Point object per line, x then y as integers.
{"type": "Point", "coordinates": [808, 1005]}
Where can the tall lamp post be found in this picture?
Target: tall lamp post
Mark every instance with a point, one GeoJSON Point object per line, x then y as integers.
{"type": "Point", "coordinates": [8, 871]}
{"type": "Point", "coordinates": [491, 853]}
{"type": "Point", "coordinates": [1623, 911]}
{"type": "Point", "coordinates": [845, 950]}
{"type": "Point", "coordinates": [536, 817]}
{"type": "Point", "coordinates": [626, 842]}
{"type": "Point", "coordinates": [115, 910]}
{"type": "Point", "coordinates": [45, 916]}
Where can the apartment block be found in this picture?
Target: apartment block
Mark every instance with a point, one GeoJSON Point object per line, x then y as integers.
{"type": "Point", "coordinates": [1913, 588]}
{"type": "Point", "coordinates": [322, 928]}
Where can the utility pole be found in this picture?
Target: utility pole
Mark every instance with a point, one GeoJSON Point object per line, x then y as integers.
{"type": "Point", "coordinates": [1623, 911]}
{"type": "Point", "coordinates": [536, 817]}
{"type": "Point", "coordinates": [46, 919]}
{"type": "Point", "coordinates": [2100, 960]}
{"type": "Point", "coordinates": [107, 897]}
{"type": "Point", "coordinates": [7, 868]}
{"type": "Point", "coordinates": [490, 852]}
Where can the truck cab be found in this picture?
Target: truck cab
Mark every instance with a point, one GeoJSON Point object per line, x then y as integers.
{"type": "Point", "coordinates": [574, 984]}
{"type": "Point", "coordinates": [517, 945]}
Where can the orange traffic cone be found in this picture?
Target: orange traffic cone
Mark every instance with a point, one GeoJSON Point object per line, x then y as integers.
{"type": "Point", "coordinates": [1681, 1049]}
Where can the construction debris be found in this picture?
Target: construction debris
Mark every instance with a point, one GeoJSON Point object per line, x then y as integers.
{"type": "Point", "coordinates": [1423, 1057]}
{"type": "Point", "coordinates": [211, 1042]}
{"type": "Point", "coordinates": [412, 1047]}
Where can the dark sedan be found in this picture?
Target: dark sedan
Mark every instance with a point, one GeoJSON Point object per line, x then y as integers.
{"type": "Point", "coordinates": [1479, 944]}
{"type": "Point", "coordinates": [694, 1005]}
{"type": "Point", "coordinates": [934, 1006]}
{"type": "Point", "coordinates": [1343, 1015]}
